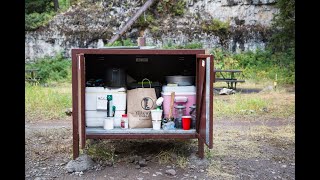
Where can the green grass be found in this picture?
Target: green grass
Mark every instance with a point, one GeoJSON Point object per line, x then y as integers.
{"type": "Point", "coordinates": [277, 103]}
{"type": "Point", "coordinates": [101, 151]}
{"type": "Point", "coordinates": [46, 103]}
{"type": "Point", "coordinates": [237, 104]}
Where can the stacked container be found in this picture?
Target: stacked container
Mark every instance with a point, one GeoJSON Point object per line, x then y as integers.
{"type": "Point", "coordinates": [156, 115]}
{"type": "Point", "coordinates": [96, 105]}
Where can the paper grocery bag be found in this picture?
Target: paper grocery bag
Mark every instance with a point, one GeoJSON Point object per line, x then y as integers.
{"type": "Point", "coordinates": [139, 103]}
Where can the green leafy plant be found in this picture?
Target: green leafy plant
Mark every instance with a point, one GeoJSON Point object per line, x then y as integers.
{"type": "Point", "coordinates": [52, 68]}
{"type": "Point", "coordinates": [191, 45]}
{"type": "Point", "coordinates": [39, 12]}
{"type": "Point", "coordinates": [126, 42]}
{"type": "Point", "coordinates": [35, 20]}
{"type": "Point", "coordinates": [175, 7]}
{"type": "Point", "coordinates": [218, 28]}
{"type": "Point", "coordinates": [144, 20]}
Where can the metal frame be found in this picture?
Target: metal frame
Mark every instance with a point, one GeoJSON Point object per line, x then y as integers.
{"type": "Point", "coordinates": [75, 98]}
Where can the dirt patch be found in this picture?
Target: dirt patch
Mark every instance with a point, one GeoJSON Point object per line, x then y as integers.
{"type": "Point", "coordinates": [256, 149]}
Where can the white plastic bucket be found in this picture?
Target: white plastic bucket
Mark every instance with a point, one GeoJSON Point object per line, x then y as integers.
{"type": "Point", "coordinates": [108, 123]}
{"type": "Point", "coordinates": [156, 114]}
{"type": "Point", "coordinates": [156, 125]}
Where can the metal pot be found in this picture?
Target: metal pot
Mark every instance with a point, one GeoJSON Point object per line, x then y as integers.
{"type": "Point", "coordinates": [180, 80]}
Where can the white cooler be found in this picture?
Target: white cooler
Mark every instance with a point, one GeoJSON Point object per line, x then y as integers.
{"type": "Point", "coordinates": [184, 95]}
{"type": "Point", "coordinates": [96, 104]}
{"type": "Point", "coordinates": [96, 118]}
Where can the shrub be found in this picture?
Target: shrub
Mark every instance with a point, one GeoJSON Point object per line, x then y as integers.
{"type": "Point", "coordinates": [52, 68]}
{"type": "Point", "coordinates": [35, 20]}
{"type": "Point", "coordinates": [259, 65]}
{"type": "Point", "coordinates": [191, 45]}
{"type": "Point", "coordinates": [126, 42]}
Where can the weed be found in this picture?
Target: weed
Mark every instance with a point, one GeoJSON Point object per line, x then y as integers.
{"type": "Point", "coordinates": [182, 162]}
{"type": "Point", "coordinates": [47, 102]}
{"type": "Point", "coordinates": [238, 104]}
{"type": "Point", "coordinates": [175, 7]}
{"type": "Point", "coordinates": [215, 170]}
{"type": "Point", "coordinates": [101, 151]}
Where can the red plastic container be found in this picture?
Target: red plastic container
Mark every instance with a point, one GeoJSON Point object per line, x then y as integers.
{"type": "Point", "coordinates": [186, 122]}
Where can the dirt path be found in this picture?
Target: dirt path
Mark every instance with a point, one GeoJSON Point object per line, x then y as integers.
{"type": "Point", "coordinates": [255, 149]}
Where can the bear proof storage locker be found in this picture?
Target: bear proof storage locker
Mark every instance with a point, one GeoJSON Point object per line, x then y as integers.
{"type": "Point", "coordinates": [153, 64]}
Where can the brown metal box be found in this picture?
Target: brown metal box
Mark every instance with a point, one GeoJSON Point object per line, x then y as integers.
{"type": "Point", "coordinates": [155, 63]}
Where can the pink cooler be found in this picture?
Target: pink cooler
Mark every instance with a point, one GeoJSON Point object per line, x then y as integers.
{"type": "Point", "coordinates": [184, 95]}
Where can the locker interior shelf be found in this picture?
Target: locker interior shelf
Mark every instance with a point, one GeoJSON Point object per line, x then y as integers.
{"type": "Point", "coordinates": [100, 130]}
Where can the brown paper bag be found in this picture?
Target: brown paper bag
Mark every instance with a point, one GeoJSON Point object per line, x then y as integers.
{"type": "Point", "coordinates": [140, 101]}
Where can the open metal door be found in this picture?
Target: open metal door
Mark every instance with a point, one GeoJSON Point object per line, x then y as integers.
{"type": "Point", "coordinates": [81, 100]}
{"type": "Point", "coordinates": [205, 79]}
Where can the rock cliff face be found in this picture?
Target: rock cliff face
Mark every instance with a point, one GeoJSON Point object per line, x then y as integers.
{"type": "Point", "coordinates": [92, 23]}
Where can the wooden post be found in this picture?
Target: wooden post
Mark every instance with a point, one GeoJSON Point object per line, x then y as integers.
{"type": "Point", "coordinates": [141, 41]}
{"type": "Point", "coordinates": [200, 148]}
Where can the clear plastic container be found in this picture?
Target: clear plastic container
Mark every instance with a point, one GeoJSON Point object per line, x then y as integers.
{"type": "Point", "coordinates": [124, 121]}
{"type": "Point", "coordinates": [180, 111]}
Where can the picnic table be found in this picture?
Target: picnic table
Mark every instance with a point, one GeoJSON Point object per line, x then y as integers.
{"type": "Point", "coordinates": [228, 76]}
{"type": "Point", "coordinates": [31, 76]}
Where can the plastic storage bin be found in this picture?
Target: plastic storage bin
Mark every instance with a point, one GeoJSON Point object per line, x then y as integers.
{"type": "Point", "coordinates": [184, 95]}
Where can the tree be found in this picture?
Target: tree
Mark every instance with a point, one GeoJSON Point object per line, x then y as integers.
{"type": "Point", "coordinates": [56, 4]}
{"type": "Point", "coordinates": [283, 25]}
{"type": "Point", "coordinates": [38, 6]}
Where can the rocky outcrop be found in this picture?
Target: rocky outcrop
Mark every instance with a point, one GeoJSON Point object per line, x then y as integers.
{"type": "Point", "coordinates": [90, 25]}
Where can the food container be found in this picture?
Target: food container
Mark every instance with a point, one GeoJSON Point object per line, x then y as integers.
{"type": "Point", "coordinates": [156, 124]}
{"type": "Point", "coordinates": [108, 123]}
{"type": "Point", "coordinates": [180, 80]}
{"type": "Point", "coordinates": [156, 114]}
{"type": "Point", "coordinates": [115, 77]}
{"type": "Point", "coordinates": [184, 95]}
